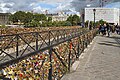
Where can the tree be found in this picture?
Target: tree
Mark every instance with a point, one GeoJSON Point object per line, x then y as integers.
{"type": "Point", "coordinates": [76, 19]}
{"type": "Point", "coordinates": [49, 24]}
{"type": "Point", "coordinates": [3, 26]}
{"type": "Point", "coordinates": [28, 17]}
{"type": "Point", "coordinates": [40, 17]}
{"type": "Point", "coordinates": [70, 19]}
{"type": "Point", "coordinates": [12, 18]}
{"type": "Point", "coordinates": [43, 17]}
{"type": "Point", "coordinates": [101, 21]}
{"type": "Point", "coordinates": [67, 23]}
{"type": "Point", "coordinates": [33, 23]}
{"type": "Point", "coordinates": [44, 24]}
{"type": "Point", "coordinates": [20, 16]}
{"type": "Point", "coordinates": [86, 23]}
{"type": "Point", "coordinates": [49, 19]}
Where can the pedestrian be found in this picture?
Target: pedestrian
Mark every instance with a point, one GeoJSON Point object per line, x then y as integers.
{"type": "Point", "coordinates": [108, 29]}
{"type": "Point", "coordinates": [82, 24]}
{"type": "Point", "coordinates": [100, 28]}
{"type": "Point", "coordinates": [90, 27]}
{"type": "Point", "coordinates": [117, 29]}
{"type": "Point", "coordinates": [103, 31]}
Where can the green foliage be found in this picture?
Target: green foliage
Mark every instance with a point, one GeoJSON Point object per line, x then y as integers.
{"type": "Point", "coordinates": [67, 23]}
{"type": "Point", "coordinates": [49, 19]}
{"type": "Point", "coordinates": [49, 24]}
{"type": "Point", "coordinates": [92, 23]}
{"type": "Point", "coordinates": [3, 26]}
{"type": "Point", "coordinates": [86, 23]}
{"type": "Point", "coordinates": [70, 19]}
{"type": "Point", "coordinates": [40, 17]}
{"type": "Point", "coordinates": [102, 22]}
{"type": "Point", "coordinates": [40, 20]}
{"type": "Point", "coordinates": [74, 20]}
{"type": "Point", "coordinates": [12, 18]}
{"type": "Point", "coordinates": [33, 23]}
{"type": "Point", "coordinates": [96, 23]}
{"type": "Point", "coordinates": [20, 16]}
{"type": "Point", "coordinates": [28, 17]}
{"type": "Point", "coordinates": [44, 24]}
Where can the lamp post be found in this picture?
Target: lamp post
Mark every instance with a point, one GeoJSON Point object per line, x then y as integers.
{"type": "Point", "coordinates": [94, 10]}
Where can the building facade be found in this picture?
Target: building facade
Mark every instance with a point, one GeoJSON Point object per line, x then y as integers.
{"type": "Point", "coordinates": [110, 15]}
{"type": "Point", "coordinates": [58, 16]}
{"type": "Point", "coordinates": [4, 18]}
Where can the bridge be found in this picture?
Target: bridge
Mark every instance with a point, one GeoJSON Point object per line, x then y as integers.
{"type": "Point", "coordinates": [64, 54]}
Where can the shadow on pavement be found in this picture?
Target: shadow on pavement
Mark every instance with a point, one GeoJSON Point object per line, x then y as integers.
{"type": "Point", "coordinates": [115, 43]}
{"type": "Point", "coordinates": [109, 44]}
{"type": "Point", "coordinates": [115, 37]}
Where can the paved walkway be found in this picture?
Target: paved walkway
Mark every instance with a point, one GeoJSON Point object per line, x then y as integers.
{"type": "Point", "coordinates": [101, 61]}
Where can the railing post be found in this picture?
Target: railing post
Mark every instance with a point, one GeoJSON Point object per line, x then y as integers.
{"type": "Point", "coordinates": [78, 48]}
{"type": "Point", "coordinates": [17, 45]}
{"type": "Point", "coordinates": [69, 61]}
{"type": "Point", "coordinates": [58, 35]}
{"type": "Point", "coordinates": [50, 70]}
{"type": "Point", "coordinates": [80, 45]}
{"type": "Point", "coordinates": [86, 41]}
{"type": "Point", "coordinates": [1, 31]}
{"type": "Point", "coordinates": [88, 38]}
{"type": "Point", "coordinates": [49, 38]}
{"type": "Point", "coordinates": [50, 57]}
{"type": "Point", "coordinates": [64, 34]}
{"type": "Point", "coordinates": [36, 41]}
{"type": "Point", "coordinates": [83, 43]}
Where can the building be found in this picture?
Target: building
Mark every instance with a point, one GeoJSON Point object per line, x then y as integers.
{"type": "Point", "coordinates": [58, 16]}
{"type": "Point", "coordinates": [4, 18]}
{"type": "Point", "coordinates": [119, 16]}
{"type": "Point", "coordinates": [110, 15]}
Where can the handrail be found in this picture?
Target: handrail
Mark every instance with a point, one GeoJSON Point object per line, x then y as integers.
{"type": "Point", "coordinates": [53, 48]}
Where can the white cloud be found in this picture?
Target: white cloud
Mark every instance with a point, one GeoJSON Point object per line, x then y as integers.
{"type": "Point", "coordinates": [63, 6]}
{"type": "Point", "coordinates": [30, 5]}
{"type": "Point", "coordinates": [40, 9]}
{"type": "Point", "coordinates": [54, 1]}
{"type": "Point", "coordinates": [2, 8]}
{"type": "Point", "coordinates": [81, 4]}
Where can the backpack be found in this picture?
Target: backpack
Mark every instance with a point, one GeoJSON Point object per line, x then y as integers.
{"type": "Point", "coordinates": [102, 28]}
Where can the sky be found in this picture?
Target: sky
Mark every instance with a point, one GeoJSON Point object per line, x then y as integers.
{"type": "Point", "coordinates": [52, 6]}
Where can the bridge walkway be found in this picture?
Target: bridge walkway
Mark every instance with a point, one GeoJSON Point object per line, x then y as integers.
{"type": "Point", "coordinates": [100, 61]}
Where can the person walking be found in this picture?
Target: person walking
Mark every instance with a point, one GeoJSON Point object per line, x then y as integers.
{"type": "Point", "coordinates": [100, 28]}
{"type": "Point", "coordinates": [90, 27]}
{"type": "Point", "coordinates": [117, 29]}
{"type": "Point", "coordinates": [108, 29]}
{"type": "Point", "coordinates": [103, 29]}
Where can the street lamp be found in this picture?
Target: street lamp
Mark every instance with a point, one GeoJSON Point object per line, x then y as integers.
{"type": "Point", "coordinates": [94, 10]}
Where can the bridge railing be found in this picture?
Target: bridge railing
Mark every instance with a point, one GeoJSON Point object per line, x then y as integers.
{"type": "Point", "coordinates": [20, 45]}
{"type": "Point", "coordinates": [51, 52]}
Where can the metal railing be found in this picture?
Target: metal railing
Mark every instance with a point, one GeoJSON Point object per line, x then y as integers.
{"type": "Point", "coordinates": [51, 52]}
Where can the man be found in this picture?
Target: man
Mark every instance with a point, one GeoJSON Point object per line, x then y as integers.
{"type": "Point", "coordinates": [103, 31]}
{"type": "Point", "coordinates": [100, 28]}
{"type": "Point", "coordinates": [108, 27]}
{"type": "Point", "coordinates": [117, 29]}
